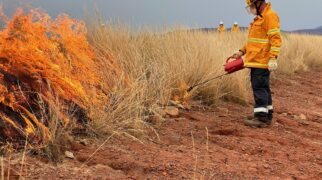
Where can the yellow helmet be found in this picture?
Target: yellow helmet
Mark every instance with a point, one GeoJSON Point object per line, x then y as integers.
{"type": "Point", "coordinates": [249, 2]}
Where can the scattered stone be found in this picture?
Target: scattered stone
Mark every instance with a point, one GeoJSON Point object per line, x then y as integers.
{"type": "Point", "coordinates": [84, 142]}
{"type": "Point", "coordinates": [284, 114]}
{"type": "Point", "coordinates": [160, 112]}
{"type": "Point", "coordinates": [69, 155]}
{"type": "Point", "coordinates": [302, 117]}
{"type": "Point", "coordinates": [305, 123]}
{"type": "Point", "coordinates": [155, 119]}
{"type": "Point", "coordinates": [172, 111]}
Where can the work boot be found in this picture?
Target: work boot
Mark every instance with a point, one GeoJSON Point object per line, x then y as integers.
{"type": "Point", "coordinates": [257, 122]}
{"type": "Point", "coordinates": [267, 121]}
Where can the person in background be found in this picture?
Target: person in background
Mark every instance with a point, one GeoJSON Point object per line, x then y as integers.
{"type": "Point", "coordinates": [235, 28]}
{"type": "Point", "coordinates": [221, 28]}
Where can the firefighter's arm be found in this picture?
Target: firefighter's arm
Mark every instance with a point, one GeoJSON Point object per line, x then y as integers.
{"type": "Point", "coordinates": [243, 49]}
{"type": "Point", "coordinates": [274, 35]}
{"type": "Point", "coordinates": [241, 52]}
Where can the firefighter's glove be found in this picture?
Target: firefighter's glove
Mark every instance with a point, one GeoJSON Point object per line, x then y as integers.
{"type": "Point", "coordinates": [272, 65]}
{"type": "Point", "coordinates": [238, 55]}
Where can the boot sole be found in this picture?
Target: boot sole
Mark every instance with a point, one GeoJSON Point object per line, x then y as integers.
{"type": "Point", "coordinates": [261, 125]}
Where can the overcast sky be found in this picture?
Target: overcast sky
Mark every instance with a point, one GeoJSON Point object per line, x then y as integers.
{"type": "Point", "coordinates": [294, 14]}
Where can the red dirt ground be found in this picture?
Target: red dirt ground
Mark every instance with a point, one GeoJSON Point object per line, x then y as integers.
{"type": "Point", "coordinates": [290, 149]}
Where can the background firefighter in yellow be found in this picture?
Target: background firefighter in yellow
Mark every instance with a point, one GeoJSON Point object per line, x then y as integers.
{"type": "Point", "coordinates": [221, 28]}
{"type": "Point", "coordinates": [261, 50]}
{"type": "Point", "coordinates": [235, 28]}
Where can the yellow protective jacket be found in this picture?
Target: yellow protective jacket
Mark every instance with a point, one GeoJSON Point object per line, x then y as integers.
{"type": "Point", "coordinates": [264, 40]}
{"type": "Point", "coordinates": [221, 29]}
{"type": "Point", "coordinates": [235, 29]}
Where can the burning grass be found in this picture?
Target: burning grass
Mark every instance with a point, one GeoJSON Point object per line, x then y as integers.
{"type": "Point", "coordinates": [47, 66]}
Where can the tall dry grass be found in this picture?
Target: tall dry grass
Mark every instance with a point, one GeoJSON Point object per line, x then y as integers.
{"type": "Point", "coordinates": [158, 63]}
{"type": "Point", "coordinates": [300, 53]}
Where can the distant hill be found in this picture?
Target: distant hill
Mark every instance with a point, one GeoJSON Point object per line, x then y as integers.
{"type": "Point", "coordinates": [215, 29]}
{"type": "Point", "coordinates": [317, 31]}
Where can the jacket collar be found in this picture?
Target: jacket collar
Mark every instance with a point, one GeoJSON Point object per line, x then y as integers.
{"type": "Point", "coordinates": [267, 8]}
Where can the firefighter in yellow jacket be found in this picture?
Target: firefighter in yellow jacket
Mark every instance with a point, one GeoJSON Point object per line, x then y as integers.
{"type": "Point", "coordinates": [235, 28]}
{"type": "Point", "coordinates": [221, 28]}
{"type": "Point", "coordinates": [261, 50]}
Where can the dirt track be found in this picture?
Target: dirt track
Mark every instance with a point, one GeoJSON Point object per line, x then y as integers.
{"type": "Point", "coordinates": [290, 149]}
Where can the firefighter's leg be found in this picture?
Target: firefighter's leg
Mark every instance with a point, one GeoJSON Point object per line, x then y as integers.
{"type": "Point", "coordinates": [260, 84]}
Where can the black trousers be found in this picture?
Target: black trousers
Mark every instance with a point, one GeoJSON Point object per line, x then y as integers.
{"type": "Point", "coordinates": [262, 94]}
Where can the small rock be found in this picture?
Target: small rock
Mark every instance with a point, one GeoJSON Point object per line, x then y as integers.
{"type": "Point", "coordinates": [155, 119]}
{"type": "Point", "coordinates": [295, 117]}
{"type": "Point", "coordinates": [284, 114]}
{"type": "Point", "coordinates": [69, 155]}
{"type": "Point", "coordinates": [84, 142]}
{"type": "Point", "coordinates": [160, 112]}
{"type": "Point", "coordinates": [302, 117]}
{"type": "Point", "coordinates": [305, 123]}
{"type": "Point", "coordinates": [172, 111]}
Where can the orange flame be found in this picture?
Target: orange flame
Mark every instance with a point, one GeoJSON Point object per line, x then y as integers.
{"type": "Point", "coordinates": [48, 60]}
{"type": "Point", "coordinates": [181, 95]}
